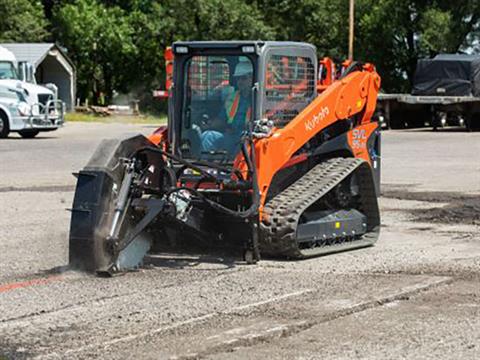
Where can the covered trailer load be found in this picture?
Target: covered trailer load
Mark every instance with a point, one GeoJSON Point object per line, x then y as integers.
{"type": "Point", "coordinates": [448, 75]}
{"type": "Point", "coordinates": [445, 91]}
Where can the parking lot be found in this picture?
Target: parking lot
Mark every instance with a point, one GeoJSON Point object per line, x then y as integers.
{"type": "Point", "coordinates": [416, 294]}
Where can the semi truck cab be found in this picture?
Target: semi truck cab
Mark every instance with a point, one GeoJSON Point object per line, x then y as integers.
{"type": "Point", "coordinates": [25, 107]}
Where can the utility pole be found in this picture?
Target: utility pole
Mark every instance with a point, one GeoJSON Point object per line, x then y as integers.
{"type": "Point", "coordinates": [350, 35]}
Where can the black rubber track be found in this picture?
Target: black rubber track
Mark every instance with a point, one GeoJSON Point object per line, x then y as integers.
{"type": "Point", "coordinates": [282, 213]}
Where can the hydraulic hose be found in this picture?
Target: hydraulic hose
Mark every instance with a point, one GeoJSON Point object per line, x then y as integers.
{"type": "Point", "coordinates": [252, 210]}
{"type": "Point", "coordinates": [354, 66]}
{"type": "Point", "coordinates": [191, 165]}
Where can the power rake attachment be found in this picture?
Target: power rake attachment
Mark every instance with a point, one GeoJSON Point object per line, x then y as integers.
{"type": "Point", "coordinates": [124, 199]}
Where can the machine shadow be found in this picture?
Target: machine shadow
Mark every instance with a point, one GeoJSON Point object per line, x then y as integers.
{"type": "Point", "coordinates": [55, 270]}
{"type": "Point", "coordinates": [198, 261]}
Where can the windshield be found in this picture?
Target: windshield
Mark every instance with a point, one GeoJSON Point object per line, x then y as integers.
{"type": "Point", "coordinates": [7, 70]}
{"type": "Point", "coordinates": [217, 106]}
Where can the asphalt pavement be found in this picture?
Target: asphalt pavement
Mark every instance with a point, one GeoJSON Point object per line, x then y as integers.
{"type": "Point", "coordinates": [415, 294]}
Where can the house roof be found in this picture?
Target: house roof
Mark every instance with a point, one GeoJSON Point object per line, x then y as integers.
{"type": "Point", "coordinates": [34, 53]}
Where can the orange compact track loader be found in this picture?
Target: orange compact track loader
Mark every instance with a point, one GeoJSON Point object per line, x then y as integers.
{"type": "Point", "coordinates": [259, 155]}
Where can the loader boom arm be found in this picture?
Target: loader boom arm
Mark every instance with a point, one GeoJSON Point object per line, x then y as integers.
{"type": "Point", "coordinates": [354, 94]}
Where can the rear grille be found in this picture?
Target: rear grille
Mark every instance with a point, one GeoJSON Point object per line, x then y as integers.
{"type": "Point", "coordinates": [44, 98]}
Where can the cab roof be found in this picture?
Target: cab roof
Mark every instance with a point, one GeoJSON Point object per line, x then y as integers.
{"type": "Point", "coordinates": [259, 45]}
{"type": "Point", "coordinates": [7, 55]}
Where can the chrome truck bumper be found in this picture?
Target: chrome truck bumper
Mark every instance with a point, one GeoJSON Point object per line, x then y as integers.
{"type": "Point", "coordinates": [45, 117]}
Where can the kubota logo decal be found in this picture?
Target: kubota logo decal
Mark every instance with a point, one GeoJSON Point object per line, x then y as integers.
{"type": "Point", "coordinates": [310, 124]}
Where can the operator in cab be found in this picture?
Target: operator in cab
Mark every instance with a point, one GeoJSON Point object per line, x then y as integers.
{"type": "Point", "coordinates": [226, 129]}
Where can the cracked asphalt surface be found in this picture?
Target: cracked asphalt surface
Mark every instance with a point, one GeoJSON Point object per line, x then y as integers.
{"type": "Point", "coordinates": [415, 294]}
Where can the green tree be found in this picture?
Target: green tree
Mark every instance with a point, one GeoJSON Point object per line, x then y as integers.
{"type": "Point", "coordinates": [394, 35]}
{"type": "Point", "coordinates": [225, 20]}
{"type": "Point", "coordinates": [320, 22]}
{"type": "Point", "coordinates": [119, 44]}
{"type": "Point", "coordinates": [391, 34]}
{"type": "Point", "coordinates": [464, 24]}
{"type": "Point", "coordinates": [435, 35]}
{"type": "Point", "coordinates": [22, 21]}
{"type": "Point", "coordinates": [99, 40]}
{"type": "Point", "coordinates": [157, 24]}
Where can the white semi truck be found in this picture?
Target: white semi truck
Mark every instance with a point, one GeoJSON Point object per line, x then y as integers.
{"type": "Point", "coordinates": [25, 107]}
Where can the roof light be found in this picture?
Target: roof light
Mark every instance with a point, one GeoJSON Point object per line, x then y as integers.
{"type": "Point", "coordinates": [248, 49]}
{"type": "Point", "coordinates": [181, 50]}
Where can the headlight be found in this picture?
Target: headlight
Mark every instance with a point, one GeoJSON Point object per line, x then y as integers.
{"type": "Point", "coordinates": [24, 108]}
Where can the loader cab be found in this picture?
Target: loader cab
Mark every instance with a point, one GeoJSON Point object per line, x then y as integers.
{"type": "Point", "coordinates": [220, 88]}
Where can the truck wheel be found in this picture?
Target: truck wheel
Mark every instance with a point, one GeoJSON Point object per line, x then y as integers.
{"type": "Point", "coordinates": [4, 126]}
{"type": "Point", "coordinates": [28, 134]}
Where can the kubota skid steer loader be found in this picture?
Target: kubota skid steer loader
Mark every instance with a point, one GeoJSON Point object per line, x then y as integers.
{"type": "Point", "coordinates": [254, 158]}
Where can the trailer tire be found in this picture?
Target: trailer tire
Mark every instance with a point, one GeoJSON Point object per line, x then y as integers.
{"type": "Point", "coordinates": [397, 121]}
{"type": "Point", "coordinates": [4, 125]}
{"type": "Point", "coordinates": [472, 122]}
{"type": "Point", "coordinates": [28, 134]}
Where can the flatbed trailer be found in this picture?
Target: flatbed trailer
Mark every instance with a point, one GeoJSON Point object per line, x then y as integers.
{"type": "Point", "coordinates": [399, 111]}
{"type": "Point", "coordinates": [445, 91]}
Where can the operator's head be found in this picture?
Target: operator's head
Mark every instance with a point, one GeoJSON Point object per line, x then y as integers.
{"type": "Point", "coordinates": [243, 74]}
